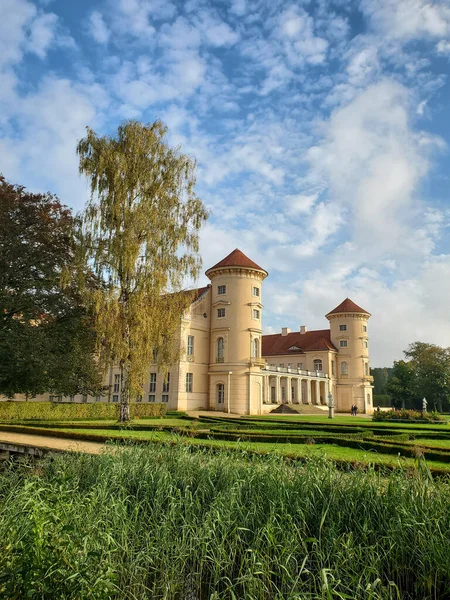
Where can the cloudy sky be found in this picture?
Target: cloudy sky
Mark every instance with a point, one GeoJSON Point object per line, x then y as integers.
{"type": "Point", "coordinates": [321, 131]}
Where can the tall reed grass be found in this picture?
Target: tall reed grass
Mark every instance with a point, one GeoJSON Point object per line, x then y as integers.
{"type": "Point", "coordinates": [174, 523]}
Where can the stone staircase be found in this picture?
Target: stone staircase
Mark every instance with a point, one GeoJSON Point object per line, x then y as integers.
{"type": "Point", "coordinates": [299, 409]}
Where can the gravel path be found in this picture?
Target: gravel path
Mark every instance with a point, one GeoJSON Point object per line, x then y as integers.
{"type": "Point", "coordinates": [52, 443]}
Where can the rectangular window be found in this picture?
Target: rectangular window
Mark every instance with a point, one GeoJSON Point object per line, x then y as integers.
{"type": "Point", "coordinates": [292, 393]}
{"type": "Point", "coordinates": [342, 327]}
{"type": "Point", "coordinates": [151, 397]}
{"type": "Point", "coordinates": [166, 383]}
{"type": "Point", "coordinates": [115, 398]}
{"type": "Point", "coordinates": [343, 344]}
{"type": "Point", "coordinates": [289, 365]}
{"type": "Point", "coordinates": [281, 365]}
{"type": "Point", "coordinates": [256, 291]}
{"type": "Point", "coordinates": [364, 328]}
{"type": "Point", "coordinates": [366, 344]}
{"type": "Point", "coordinates": [152, 387]}
{"type": "Point", "coordinates": [283, 394]}
{"type": "Point", "coordinates": [116, 383]}
{"type": "Point", "coordinates": [332, 367]}
{"type": "Point", "coordinates": [165, 397]}
{"type": "Point", "coordinates": [300, 366]}
{"type": "Point", "coordinates": [255, 313]}
{"type": "Point", "coordinates": [220, 313]}
{"type": "Point", "coordinates": [190, 345]}
{"type": "Point", "coordinates": [272, 394]}
{"type": "Point", "coordinates": [189, 382]}
{"type": "Point", "coordinates": [221, 289]}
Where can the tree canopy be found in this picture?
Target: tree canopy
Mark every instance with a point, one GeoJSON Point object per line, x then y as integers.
{"type": "Point", "coordinates": [46, 339]}
{"type": "Point", "coordinates": [141, 233]}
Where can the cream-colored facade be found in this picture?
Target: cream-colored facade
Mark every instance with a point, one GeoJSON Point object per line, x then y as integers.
{"type": "Point", "coordinates": [227, 365]}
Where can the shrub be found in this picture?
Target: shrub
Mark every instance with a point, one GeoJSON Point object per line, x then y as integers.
{"type": "Point", "coordinates": [405, 415]}
{"type": "Point", "coordinates": [73, 410]}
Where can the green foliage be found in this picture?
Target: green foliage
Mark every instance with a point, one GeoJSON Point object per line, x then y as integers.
{"type": "Point", "coordinates": [406, 415]}
{"type": "Point", "coordinates": [161, 522]}
{"type": "Point", "coordinates": [382, 400]}
{"type": "Point", "coordinates": [401, 385]}
{"type": "Point", "coordinates": [381, 377]}
{"type": "Point", "coordinates": [141, 231]}
{"type": "Point", "coordinates": [46, 339]}
{"type": "Point", "coordinates": [74, 410]}
{"type": "Point", "coordinates": [431, 367]}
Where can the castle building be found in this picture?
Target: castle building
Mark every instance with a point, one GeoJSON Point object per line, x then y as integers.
{"type": "Point", "coordinates": [227, 364]}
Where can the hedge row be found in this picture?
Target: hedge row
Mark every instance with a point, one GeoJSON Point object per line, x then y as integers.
{"type": "Point", "coordinates": [11, 410]}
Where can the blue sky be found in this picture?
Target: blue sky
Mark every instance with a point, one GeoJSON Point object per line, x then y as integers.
{"type": "Point", "coordinates": [321, 131]}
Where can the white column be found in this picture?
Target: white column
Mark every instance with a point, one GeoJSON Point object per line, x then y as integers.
{"type": "Point", "coordinates": [289, 390]}
{"type": "Point", "coordinates": [308, 391]}
{"type": "Point", "coordinates": [299, 391]}
{"type": "Point", "coordinates": [277, 389]}
{"type": "Point", "coordinates": [266, 389]}
{"type": "Point", "coordinates": [317, 391]}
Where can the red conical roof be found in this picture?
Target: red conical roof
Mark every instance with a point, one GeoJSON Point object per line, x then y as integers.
{"type": "Point", "coordinates": [347, 306]}
{"type": "Point", "coordinates": [236, 259]}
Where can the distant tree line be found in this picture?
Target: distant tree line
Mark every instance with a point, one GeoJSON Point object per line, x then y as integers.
{"type": "Point", "coordinates": [425, 373]}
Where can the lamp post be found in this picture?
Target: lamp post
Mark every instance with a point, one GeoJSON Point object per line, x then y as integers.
{"type": "Point", "coordinates": [330, 406]}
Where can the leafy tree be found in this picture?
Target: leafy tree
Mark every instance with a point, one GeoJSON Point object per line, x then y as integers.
{"type": "Point", "coordinates": [401, 385]}
{"type": "Point", "coordinates": [431, 366]}
{"type": "Point", "coordinates": [141, 230]}
{"type": "Point", "coordinates": [381, 377]}
{"type": "Point", "coordinates": [46, 341]}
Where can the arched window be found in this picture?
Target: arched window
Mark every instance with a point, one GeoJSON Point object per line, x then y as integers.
{"type": "Point", "coordinates": [255, 348]}
{"type": "Point", "coordinates": [220, 393]}
{"type": "Point", "coordinates": [318, 365]}
{"type": "Point", "coordinates": [220, 349]}
{"type": "Point", "coordinates": [344, 368]}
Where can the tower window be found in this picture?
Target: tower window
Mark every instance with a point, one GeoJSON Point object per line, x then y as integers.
{"type": "Point", "coordinates": [332, 368]}
{"type": "Point", "coordinates": [220, 313]}
{"type": "Point", "coordinates": [190, 345]}
{"type": "Point", "coordinates": [365, 328]}
{"type": "Point", "coordinates": [256, 291]}
{"type": "Point", "coordinates": [366, 344]}
{"type": "Point", "coordinates": [343, 344]}
{"type": "Point", "coordinates": [255, 313]}
{"type": "Point", "coordinates": [220, 393]}
{"type": "Point", "coordinates": [255, 348]}
{"type": "Point", "coordinates": [189, 382]}
{"type": "Point", "coordinates": [221, 289]}
{"type": "Point", "coordinates": [342, 327]}
{"type": "Point", "coordinates": [366, 368]}
{"type": "Point", "coordinates": [220, 349]}
{"type": "Point", "coordinates": [344, 368]}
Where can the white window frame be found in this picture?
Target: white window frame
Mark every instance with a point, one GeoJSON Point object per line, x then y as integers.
{"type": "Point", "coordinates": [342, 327]}
{"type": "Point", "coordinates": [256, 291]}
{"type": "Point", "coordinates": [343, 343]}
{"type": "Point", "coordinates": [221, 313]}
{"type": "Point", "coordinates": [221, 290]}
{"type": "Point", "coordinates": [220, 393]}
{"type": "Point", "coordinates": [256, 314]}
{"type": "Point", "coordinates": [316, 363]}
{"type": "Point", "coordinates": [152, 385]}
{"type": "Point", "coordinates": [190, 345]}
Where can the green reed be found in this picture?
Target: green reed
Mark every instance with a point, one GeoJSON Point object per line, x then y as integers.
{"type": "Point", "coordinates": [176, 523]}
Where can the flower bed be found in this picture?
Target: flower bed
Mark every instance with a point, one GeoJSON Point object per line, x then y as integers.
{"type": "Point", "coordinates": [404, 415]}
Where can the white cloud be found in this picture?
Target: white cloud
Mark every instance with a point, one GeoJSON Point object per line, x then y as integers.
{"type": "Point", "coordinates": [408, 19]}
{"type": "Point", "coordinates": [98, 28]}
{"type": "Point", "coordinates": [296, 29]}
{"type": "Point", "coordinates": [443, 47]}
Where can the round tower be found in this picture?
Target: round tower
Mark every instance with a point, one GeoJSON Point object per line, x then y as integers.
{"type": "Point", "coordinates": [349, 334]}
{"type": "Point", "coordinates": [236, 330]}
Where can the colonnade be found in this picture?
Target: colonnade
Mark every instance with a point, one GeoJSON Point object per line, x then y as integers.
{"type": "Point", "coordinates": [287, 389]}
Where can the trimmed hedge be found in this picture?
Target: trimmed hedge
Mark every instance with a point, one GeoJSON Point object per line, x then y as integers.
{"type": "Point", "coordinates": [11, 410]}
{"type": "Point", "coordinates": [405, 415]}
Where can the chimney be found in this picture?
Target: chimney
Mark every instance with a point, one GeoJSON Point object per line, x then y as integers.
{"type": "Point", "coordinates": [303, 329]}
{"type": "Point", "coordinates": [285, 331]}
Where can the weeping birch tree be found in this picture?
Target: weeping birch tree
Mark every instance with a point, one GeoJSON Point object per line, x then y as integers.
{"type": "Point", "coordinates": [141, 230]}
